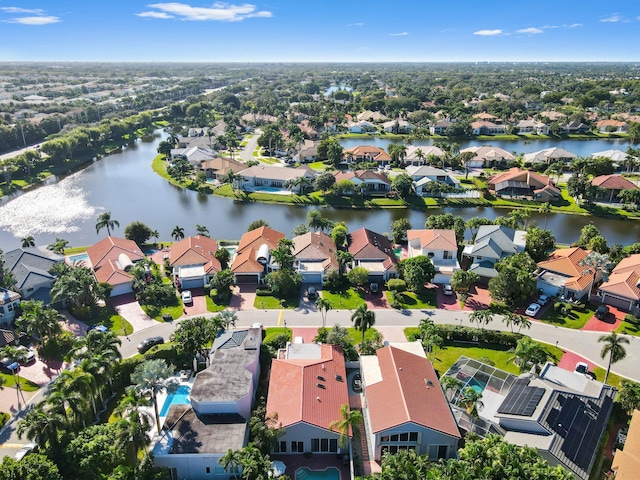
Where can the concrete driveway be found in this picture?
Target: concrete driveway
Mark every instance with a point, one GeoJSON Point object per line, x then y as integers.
{"type": "Point", "coordinates": [243, 297]}
{"type": "Point", "coordinates": [128, 307]}
{"type": "Point", "coordinates": [199, 304]}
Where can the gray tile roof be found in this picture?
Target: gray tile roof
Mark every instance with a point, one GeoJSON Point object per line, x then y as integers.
{"type": "Point", "coordinates": [30, 266]}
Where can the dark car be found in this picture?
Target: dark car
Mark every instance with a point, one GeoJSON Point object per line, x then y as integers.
{"type": "Point", "coordinates": [9, 365]}
{"type": "Point", "coordinates": [312, 294]}
{"type": "Point", "coordinates": [146, 344]}
{"type": "Point", "coordinates": [601, 312]}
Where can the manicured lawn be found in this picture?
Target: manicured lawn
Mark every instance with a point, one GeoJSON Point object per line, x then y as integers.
{"type": "Point", "coordinates": [575, 319]}
{"type": "Point", "coordinates": [75, 250]}
{"type": "Point", "coordinates": [268, 302]}
{"type": "Point", "coordinates": [318, 166]}
{"type": "Point", "coordinates": [350, 299]}
{"type": "Point", "coordinates": [613, 380]}
{"type": "Point", "coordinates": [356, 335]}
{"type": "Point", "coordinates": [411, 300]}
{"type": "Point", "coordinates": [26, 385]}
{"type": "Point", "coordinates": [174, 310]}
{"type": "Point", "coordinates": [447, 356]}
{"type": "Point", "coordinates": [213, 306]}
{"type": "Point", "coordinates": [628, 328]}
{"type": "Point", "coordinates": [114, 322]}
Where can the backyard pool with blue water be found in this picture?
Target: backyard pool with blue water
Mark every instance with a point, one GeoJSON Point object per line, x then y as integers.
{"type": "Point", "coordinates": [81, 257]}
{"type": "Point", "coordinates": [179, 397]}
{"type": "Point", "coordinates": [307, 474]}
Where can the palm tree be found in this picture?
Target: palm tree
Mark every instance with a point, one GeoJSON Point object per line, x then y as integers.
{"type": "Point", "coordinates": [65, 399]}
{"type": "Point", "coordinates": [596, 263]}
{"type": "Point", "coordinates": [202, 230]}
{"type": "Point", "coordinates": [105, 221]}
{"type": "Point", "coordinates": [613, 346]}
{"type": "Point", "coordinates": [58, 246]}
{"type": "Point", "coordinates": [545, 208]}
{"type": "Point", "coordinates": [155, 234]}
{"type": "Point", "coordinates": [38, 321]}
{"type": "Point", "coordinates": [471, 399]}
{"type": "Point", "coordinates": [78, 380]}
{"type": "Point", "coordinates": [420, 154]}
{"type": "Point", "coordinates": [177, 233]}
{"type": "Point", "coordinates": [17, 355]}
{"type": "Point", "coordinates": [41, 426]}
{"type": "Point", "coordinates": [528, 353]}
{"type": "Point", "coordinates": [363, 319]}
{"type": "Point", "coordinates": [150, 378]}
{"type": "Point", "coordinates": [481, 317]}
{"type": "Point", "coordinates": [231, 462]}
{"type": "Point", "coordinates": [28, 241]}
{"type": "Point", "coordinates": [344, 260]}
{"type": "Point", "coordinates": [450, 385]}
{"type": "Point", "coordinates": [283, 257]}
{"type": "Point", "coordinates": [136, 422]}
{"type": "Point", "coordinates": [227, 318]}
{"type": "Point", "coordinates": [323, 305]}
{"type": "Point", "coordinates": [349, 422]}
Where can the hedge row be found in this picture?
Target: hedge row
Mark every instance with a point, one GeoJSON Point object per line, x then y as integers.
{"type": "Point", "coordinates": [458, 333]}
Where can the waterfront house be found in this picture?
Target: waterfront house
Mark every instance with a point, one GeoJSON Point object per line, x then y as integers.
{"type": "Point", "coordinates": [612, 126]}
{"type": "Point", "coordinates": [397, 126]}
{"type": "Point", "coordinates": [111, 260]}
{"type": "Point", "coordinates": [361, 126]}
{"type": "Point", "coordinates": [622, 289]}
{"type": "Point", "coordinates": [530, 126]}
{"type": "Point", "coordinates": [574, 127]}
{"type": "Point", "coordinates": [618, 157]}
{"type": "Point", "coordinates": [440, 127]}
{"type": "Point", "coordinates": [405, 408]}
{"type": "Point", "coordinates": [194, 154]}
{"type": "Point", "coordinates": [550, 155]}
{"type": "Point", "coordinates": [315, 256]}
{"type": "Point", "coordinates": [193, 261]}
{"type": "Point", "coordinates": [562, 275]}
{"type": "Point", "coordinates": [484, 127]}
{"type": "Point", "coordinates": [217, 168]}
{"type": "Point", "coordinates": [613, 184]}
{"type": "Point", "coordinates": [524, 184]}
{"type": "Point", "coordinates": [374, 252]}
{"type": "Point", "coordinates": [419, 155]}
{"type": "Point", "coordinates": [484, 116]}
{"type": "Point", "coordinates": [440, 246]}
{"type": "Point", "coordinates": [366, 153]}
{"type": "Point", "coordinates": [266, 177]}
{"type": "Point", "coordinates": [31, 269]}
{"type": "Point", "coordinates": [431, 174]}
{"type": "Point", "coordinates": [488, 156]}
{"type": "Point", "coordinates": [252, 260]}
{"type": "Point", "coordinates": [371, 116]}
{"type": "Point", "coordinates": [365, 181]}
{"type": "Point", "coordinates": [307, 388]}
{"type": "Point", "coordinates": [493, 243]}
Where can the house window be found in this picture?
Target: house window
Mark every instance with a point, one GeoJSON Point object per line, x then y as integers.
{"type": "Point", "coordinates": [438, 451]}
{"type": "Point", "coordinates": [10, 307]}
{"type": "Point", "coordinates": [430, 254]}
{"type": "Point", "coordinates": [447, 255]}
{"type": "Point", "coordinates": [413, 436]}
{"type": "Point", "coordinates": [404, 437]}
{"type": "Point", "coordinates": [324, 445]}
{"type": "Point", "coordinates": [333, 445]}
{"type": "Point", "coordinates": [208, 470]}
{"type": "Point", "coordinates": [297, 447]}
{"type": "Point", "coordinates": [315, 444]}
{"type": "Point", "coordinates": [280, 447]}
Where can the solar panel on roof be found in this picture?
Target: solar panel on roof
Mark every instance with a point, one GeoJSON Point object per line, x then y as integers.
{"type": "Point", "coordinates": [522, 399]}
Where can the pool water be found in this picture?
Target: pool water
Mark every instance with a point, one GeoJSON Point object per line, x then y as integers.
{"type": "Point", "coordinates": [268, 189]}
{"type": "Point", "coordinates": [179, 397]}
{"type": "Point", "coordinates": [476, 385]}
{"type": "Point", "coordinates": [150, 251]}
{"type": "Point", "coordinates": [81, 257]}
{"type": "Point", "coordinates": [307, 474]}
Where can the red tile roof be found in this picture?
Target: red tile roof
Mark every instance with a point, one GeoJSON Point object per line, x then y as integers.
{"type": "Point", "coordinates": [566, 261]}
{"type": "Point", "coordinates": [246, 262]}
{"type": "Point", "coordinates": [409, 392]}
{"type": "Point", "coordinates": [362, 175]}
{"type": "Point", "coordinates": [376, 154]}
{"type": "Point", "coordinates": [624, 280]}
{"type": "Point", "coordinates": [436, 239]}
{"type": "Point", "coordinates": [613, 182]}
{"type": "Point", "coordinates": [367, 245]}
{"type": "Point", "coordinates": [104, 257]}
{"type": "Point", "coordinates": [294, 393]}
{"type": "Point", "coordinates": [516, 174]}
{"type": "Point", "coordinates": [259, 236]}
{"type": "Point", "coordinates": [316, 246]}
{"type": "Point", "coordinates": [198, 250]}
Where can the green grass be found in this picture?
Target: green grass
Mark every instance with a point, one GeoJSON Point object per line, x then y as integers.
{"type": "Point", "coordinates": [447, 356]}
{"type": "Point", "coordinates": [628, 328]}
{"type": "Point", "coordinates": [75, 250]}
{"type": "Point", "coordinates": [26, 385]}
{"type": "Point", "coordinates": [613, 380]}
{"type": "Point", "coordinates": [213, 306]}
{"type": "Point", "coordinates": [269, 160]}
{"type": "Point", "coordinates": [411, 300]}
{"type": "Point", "coordinates": [269, 302]}
{"type": "Point", "coordinates": [174, 310]}
{"type": "Point", "coordinates": [355, 336]}
{"type": "Point", "coordinates": [110, 319]}
{"type": "Point", "coordinates": [350, 299]}
{"type": "Point", "coordinates": [318, 166]}
{"type": "Point", "coordinates": [576, 319]}
{"type": "Point", "coordinates": [271, 332]}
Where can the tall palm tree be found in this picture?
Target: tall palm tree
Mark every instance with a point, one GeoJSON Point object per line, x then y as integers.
{"type": "Point", "coordinates": [58, 246]}
{"type": "Point", "coordinates": [323, 305]}
{"type": "Point", "coordinates": [78, 380]}
{"type": "Point", "coordinates": [17, 355]}
{"type": "Point", "coordinates": [70, 403]}
{"type": "Point", "coordinates": [150, 378]}
{"type": "Point", "coordinates": [28, 241]}
{"type": "Point", "coordinates": [347, 425]}
{"type": "Point", "coordinates": [202, 230]}
{"type": "Point", "coordinates": [545, 209]}
{"type": "Point", "coordinates": [38, 321]}
{"type": "Point", "coordinates": [450, 385]}
{"type": "Point", "coordinates": [472, 401]}
{"type": "Point", "coordinates": [177, 233]}
{"type": "Point", "coordinates": [614, 347]}
{"type": "Point", "coordinates": [136, 422]}
{"type": "Point", "coordinates": [105, 221]}
{"type": "Point", "coordinates": [227, 318]}
{"type": "Point", "coordinates": [597, 264]}
{"type": "Point", "coordinates": [363, 319]}
{"type": "Point", "coordinates": [231, 462]}
{"type": "Point", "coordinates": [155, 234]}
{"type": "Point", "coordinates": [344, 260]}
{"type": "Point", "coordinates": [41, 426]}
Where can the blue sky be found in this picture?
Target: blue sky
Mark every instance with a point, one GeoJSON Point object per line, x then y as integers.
{"type": "Point", "coordinates": [319, 31]}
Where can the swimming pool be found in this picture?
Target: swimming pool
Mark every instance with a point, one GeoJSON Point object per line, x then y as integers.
{"type": "Point", "coordinates": [476, 385]}
{"type": "Point", "coordinates": [150, 251]}
{"type": "Point", "coordinates": [179, 397]}
{"type": "Point", "coordinates": [81, 257]}
{"type": "Point", "coordinates": [305, 473]}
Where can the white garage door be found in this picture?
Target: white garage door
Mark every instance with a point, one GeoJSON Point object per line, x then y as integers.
{"type": "Point", "coordinates": [121, 289]}
{"type": "Point", "coordinates": [187, 283]}
{"type": "Point", "coordinates": [314, 277]}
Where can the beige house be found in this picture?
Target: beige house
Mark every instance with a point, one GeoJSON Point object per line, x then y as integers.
{"type": "Point", "coordinates": [622, 289]}
{"type": "Point", "coordinates": [440, 246]}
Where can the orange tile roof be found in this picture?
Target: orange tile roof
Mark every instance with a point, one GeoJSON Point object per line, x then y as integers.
{"type": "Point", "coordinates": [566, 261]}
{"type": "Point", "coordinates": [316, 246]}
{"type": "Point", "coordinates": [613, 182]}
{"type": "Point", "coordinates": [624, 280]}
{"type": "Point", "coordinates": [198, 250]}
{"type": "Point", "coordinates": [294, 393]}
{"type": "Point", "coordinates": [245, 262]}
{"type": "Point", "coordinates": [404, 394]}
{"type": "Point", "coordinates": [610, 123]}
{"type": "Point", "coordinates": [436, 239]}
{"type": "Point", "coordinates": [259, 236]}
{"type": "Point", "coordinates": [626, 463]}
{"type": "Point", "coordinates": [515, 173]}
{"type": "Point", "coordinates": [376, 153]}
{"type": "Point", "coordinates": [362, 175]}
{"type": "Point", "coordinates": [104, 256]}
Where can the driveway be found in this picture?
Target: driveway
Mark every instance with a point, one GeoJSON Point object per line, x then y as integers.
{"type": "Point", "coordinates": [612, 322]}
{"type": "Point", "coordinates": [41, 372]}
{"type": "Point", "coordinates": [376, 300]}
{"type": "Point", "coordinates": [479, 298]}
{"type": "Point", "coordinates": [246, 153]}
{"type": "Point", "coordinates": [199, 304]}
{"type": "Point", "coordinates": [447, 302]}
{"type": "Point", "coordinates": [243, 297]}
{"type": "Point", "coordinates": [128, 308]}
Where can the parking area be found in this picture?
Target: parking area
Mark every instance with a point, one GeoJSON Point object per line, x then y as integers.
{"type": "Point", "coordinates": [447, 302]}
{"type": "Point", "coordinates": [611, 322]}
{"type": "Point", "coordinates": [198, 305]}
{"type": "Point", "coordinates": [479, 298]}
{"type": "Point", "coordinates": [243, 298]}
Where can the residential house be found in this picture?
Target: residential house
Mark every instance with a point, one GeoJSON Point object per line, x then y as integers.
{"type": "Point", "coordinates": [252, 260]}
{"type": "Point", "coordinates": [315, 256]}
{"type": "Point", "coordinates": [196, 435]}
{"type": "Point", "coordinates": [264, 177]}
{"type": "Point", "coordinates": [550, 155]}
{"type": "Point", "coordinates": [524, 183]}
{"type": "Point", "coordinates": [493, 243]}
{"type": "Point", "coordinates": [365, 181]}
{"type": "Point", "coordinates": [361, 126]}
{"type": "Point", "coordinates": [487, 117]}
{"type": "Point", "coordinates": [9, 301]}
{"type": "Point", "coordinates": [622, 289]}
{"type": "Point", "coordinates": [308, 152]}
{"type": "Point", "coordinates": [397, 126]}
{"type": "Point", "coordinates": [193, 261]}
{"type": "Point", "coordinates": [370, 116]}
{"type": "Point", "coordinates": [612, 126]}
{"type": "Point", "coordinates": [552, 115]}
{"type": "Point", "coordinates": [532, 126]}
{"type": "Point", "coordinates": [374, 252]}
{"type": "Point", "coordinates": [405, 408]}
{"type": "Point", "coordinates": [626, 461]}
{"type": "Point", "coordinates": [440, 246]}
{"type": "Point", "coordinates": [561, 274]}
{"type": "Point", "coordinates": [425, 174]}
{"type": "Point", "coordinates": [367, 153]}
{"type": "Point", "coordinates": [421, 155]}
{"type": "Point", "coordinates": [561, 413]}
{"type": "Point", "coordinates": [308, 130]}
{"type": "Point", "coordinates": [613, 184]}
{"type": "Point", "coordinates": [617, 156]}
{"type": "Point", "coordinates": [484, 127]}
{"type": "Point", "coordinates": [258, 119]}
{"type": "Point", "coordinates": [574, 127]}
{"type": "Point", "coordinates": [31, 269]}
{"type": "Point", "coordinates": [111, 260]}
{"type": "Point", "coordinates": [440, 127]}
{"type": "Point", "coordinates": [488, 156]}
{"type": "Point", "coordinates": [217, 168]}
{"type": "Point", "coordinates": [307, 388]}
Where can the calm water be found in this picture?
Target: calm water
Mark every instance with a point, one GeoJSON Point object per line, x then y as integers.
{"type": "Point", "coordinates": [125, 185]}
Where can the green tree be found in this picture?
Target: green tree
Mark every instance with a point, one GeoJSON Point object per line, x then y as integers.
{"type": "Point", "coordinates": [447, 221]}
{"type": "Point", "coordinates": [349, 422]}
{"type": "Point", "coordinates": [324, 182]}
{"type": "Point", "coordinates": [417, 271]}
{"type": "Point", "coordinates": [223, 256]}
{"type": "Point", "coordinates": [95, 452]}
{"type": "Point", "coordinates": [231, 462]}
{"type": "Point", "coordinates": [150, 378]}
{"type": "Point", "coordinates": [363, 319]}
{"type": "Point", "coordinates": [42, 426]}
{"type": "Point", "coordinates": [539, 243]}
{"type": "Point", "coordinates": [339, 234]}
{"type": "Point", "coordinates": [284, 283]}
{"type": "Point", "coordinates": [462, 280]}
{"type": "Point", "coordinates": [614, 349]}
{"type": "Point", "coordinates": [283, 255]}
{"type": "Point", "coordinates": [58, 246]}
{"type": "Point", "coordinates": [28, 241]}
{"type": "Point", "coordinates": [38, 321]}
{"type": "Point", "coordinates": [529, 353]}
{"type": "Point", "coordinates": [545, 209]}
{"type": "Point", "coordinates": [264, 428]}
{"type": "Point", "coordinates": [515, 281]}
{"type": "Point", "coordinates": [316, 221]}
{"type": "Point", "coordinates": [202, 230]}
{"type": "Point", "coordinates": [193, 335]}
{"type": "Point", "coordinates": [257, 224]}
{"type": "Point", "coordinates": [358, 276]}
{"type": "Point", "coordinates": [399, 229]}
{"type": "Point", "coordinates": [629, 396]}
{"type": "Point", "coordinates": [222, 282]}
{"type": "Point", "coordinates": [177, 233]}
{"type": "Point", "coordinates": [475, 223]}
{"type": "Point", "coordinates": [105, 221]}
{"type": "Point", "coordinates": [78, 285]}
{"type": "Point", "coordinates": [299, 230]}
{"type": "Point", "coordinates": [323, 305]}
{"type": "Point", "coordinates": [471, 399]}
{"type": "Point", "coordinates": [403, 185]}
{"type": "Point", "coordinates": [31, 467]}
{"type": "Point", "coordinates": [588, 232]}
{"type": "Point", "coordinates": [451, 386]}
{"type": "Point", "coordinates": [138, 232]}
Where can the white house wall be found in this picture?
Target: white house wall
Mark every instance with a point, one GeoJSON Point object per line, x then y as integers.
{"type": "Point", "coordinates": [427, 438]}
{"type": "Point", "coordinates": [304, 432]}
{"type": "Point", "coordinates": [194, 466]}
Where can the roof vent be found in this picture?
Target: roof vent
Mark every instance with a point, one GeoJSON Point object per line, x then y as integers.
{"type": "Point", "coordinates": [428, 382]}
{"type": "Point", "coordinates": [339, 377]}
{"type": "Point", "coordinates": [321, 385]}
{"type": "Point", "coordinates": [323, 366]}
{"type": "Point", "coordinates": [318, 398]}
{"type": "Point", "coordinates": [320, 377]}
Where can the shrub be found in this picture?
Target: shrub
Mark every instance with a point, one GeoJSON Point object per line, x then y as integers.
{"type": "Point", "coordinates": [632, 319]}
{"type": "Point", "coordinates": [394, 299]}
{"type": "Point", "coordinates": [4, 418]}
{"type": "Point", "coordinates": [57, 346]}
{"type": "Point", "coordinates": [264, 292]}
{"type": "Point", "coordinates": [397, 285]}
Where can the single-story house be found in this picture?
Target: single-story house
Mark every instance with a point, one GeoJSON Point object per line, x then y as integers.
{"type": "Point", "coordinates": [613, 184]}
{"type": "Point", "coordinates": [484, 127]}
{"type": "Point", "coordinates": [258, 118]}
{"type": "Point", "coordinates": [552, 115]}
{"type": "Point", "coordinates": [550, 155]}
{"type": "Point", "coordinates": [252, 260]}
{"type": "Point", "coordinates": [259, 177]}
{"type": "Point", "coordinates": [218, 167]}
{"type": "Point", "coordinates": [440, 246]}
{"type": "Point", "coordinates": [524, 183]}
{"type": "Point", "coordinates": [31, 268]}
{"type": "Point", "coordinates": [111, 259]}
{"type": "Point", "coordinates": [484, 116]}
{"type": "Point", "coordinates": [307, 388]}
{"type": "Point", "coordinates": [561, 274]}
{"type": "Point", "coordinates": [366, 153]}
{"type": "Point", "coordinates": [419, 155]}
{"type": "Point", "coordinates": [488, 156]}
{"type": "Point", "coordinates": [400, 374]}
{"type": "Point", "coordinates": [371, 116]}
{"type": "Point", "coordinates": [612, 126]}
{"type": "Point", "coordinates": [622, 289]}
{"type": "Point", "coordinates": [195, 155]}
{"type": "Point", "coordinates": [616, 156]}
{"type": "Point", "coordinates": [397, 126]}
{"type": "Point", "coordinates": [315, 256]}
{"type": "Point", "coordinates": [532, 126]}
{"type": "Point", "coordinates": [574, 127]}
{"type": "Point", "coordinates": [492, 244]}
{"type": "Point", "coordinates": [361, 126]}
{"type": "Point", "coordinates": [373, 252]}
{"type": "Point", "coordinates": [193, 261]}
{"type": "Point", "coordinates": [367, 181]}
{"type": "Point", "coordinates": [433, 174]}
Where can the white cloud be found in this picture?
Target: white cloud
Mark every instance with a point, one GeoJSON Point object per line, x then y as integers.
{"type": "Point", "coordinates": [488, 33]}
{"type": "Point", "coordinates": [530, 30]}
{"type": "Point", "coordinates": [573, 25]}
{"type": "Point", "coordinates": [35, 11]}
{"type": "Point", "coordinates": [221, 12]}
{"type": "Point", "coordinates": [612, 18]}
{"type": "Point", "coordinates": [401, 34]}
{"type": "Point", "coordinates": [38, 20]}
{"type": "Point", "coordinates": [357, 24]}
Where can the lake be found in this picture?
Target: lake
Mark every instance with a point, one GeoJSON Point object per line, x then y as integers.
{"type": "Point", "coordinates": [125, 185]}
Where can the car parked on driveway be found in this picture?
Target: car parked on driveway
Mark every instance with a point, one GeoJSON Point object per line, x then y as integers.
{"type": "Point", "coordinates": [542, 299]}
{"type": "Point", "coordinates": [602, 312]}
{"type": "Point", "coordinates": [97, 328]}
{"type": "Point", "coordinates": [186, 297]}
{"type": "Point", "coordinates": [532, 310]}
{"type": "Point", "coordinates": [146, 344]}
{"type": "Point", "coordinates": [448, 289]}
{"type": "Point", "coordinates": [312, 293]}
{"type": "Point", "coordinates": [26, 450]}
{"type": "Point", "coordinates": [28, 355]}
{"type": "Point", "coordinates": [9, 365]}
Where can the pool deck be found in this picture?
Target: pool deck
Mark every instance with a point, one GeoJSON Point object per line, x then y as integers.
{"type": "Point", "coordinates": [315, 462]}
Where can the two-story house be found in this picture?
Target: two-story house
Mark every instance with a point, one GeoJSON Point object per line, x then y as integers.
{"type": "Point", "coordinates": [493, 243]}
{"type": "Point", "coordinates": [440, 247]}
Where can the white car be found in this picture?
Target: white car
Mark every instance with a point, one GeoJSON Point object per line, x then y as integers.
{"type": "Point", "coordinates": [448, 290]}
{"type": "Point", "coordinates": [532, 310]}
{"type": "Point", "coordinates": [186, 297]}
{"type": "Point", "coordinates": [29, 355]}
{"type": "Point", "coordinates": [26, 450]}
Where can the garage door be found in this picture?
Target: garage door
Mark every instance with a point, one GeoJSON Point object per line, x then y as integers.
{"type": "Point", "coordinates": [246, 279]}
{"type": "Point", "coordinates": [376, 278]}
{"type": "Point", "coordinates": [441, 278]}
{"type": "Point", "coordinates": [617, 302]}
{"type": "Point", "coordinates": [187, 283]}
{"type": "Point", "coordinates": [121, 289]}
{"type": "Point", "coordinates": [312, 278]}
